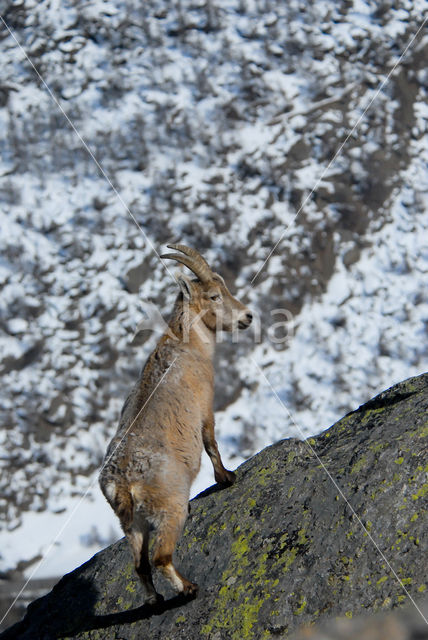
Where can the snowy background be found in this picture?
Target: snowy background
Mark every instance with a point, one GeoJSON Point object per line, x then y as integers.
{"type": "Point", "coordinates": [213, 123]}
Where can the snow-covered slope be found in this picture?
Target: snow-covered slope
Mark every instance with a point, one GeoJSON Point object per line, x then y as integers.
{"type": "Point", "coordinates": [215, 123]}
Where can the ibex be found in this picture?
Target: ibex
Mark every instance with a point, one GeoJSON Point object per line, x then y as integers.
{"type": "Point", "coordinates": [166, 420]}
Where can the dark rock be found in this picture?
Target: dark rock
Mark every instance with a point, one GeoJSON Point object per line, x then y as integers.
{"type": "Point", "coordinates": [332, 526]}
{"type": "Point", "coordinates": [406, 623]}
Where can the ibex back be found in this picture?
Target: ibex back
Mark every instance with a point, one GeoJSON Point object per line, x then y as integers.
{"type": "Point", "coordinates": [165, 422]}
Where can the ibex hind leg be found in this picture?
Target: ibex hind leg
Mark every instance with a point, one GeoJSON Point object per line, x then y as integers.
{"type": "Point", "coordinates": [136, 529]}
{"type": "Point", "coordinates": [138, 538]}
{"type": "Point", "coordinates": [168, 531]}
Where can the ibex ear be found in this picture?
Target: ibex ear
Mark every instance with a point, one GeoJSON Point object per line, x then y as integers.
{"type": "Point", "coordinates": [185, 286]}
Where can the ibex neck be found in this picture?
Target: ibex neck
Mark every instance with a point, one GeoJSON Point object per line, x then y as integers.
{"type": "Point", "coordinates": [202, 337]}
{"type": "Point", "coordinates": [188, 328]}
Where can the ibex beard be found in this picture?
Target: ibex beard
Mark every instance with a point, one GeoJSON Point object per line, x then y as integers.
{"type": "Point", "coordinates": [166, 421]}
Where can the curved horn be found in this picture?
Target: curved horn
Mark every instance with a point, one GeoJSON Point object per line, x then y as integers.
{"type": "Point", "coordinates": [192, 253]}
{"type": "Point", "coordinates": [192, 260]}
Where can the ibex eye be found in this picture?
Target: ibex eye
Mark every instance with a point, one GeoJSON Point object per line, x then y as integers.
{"type": "Point", "coordinates": [215, 297]}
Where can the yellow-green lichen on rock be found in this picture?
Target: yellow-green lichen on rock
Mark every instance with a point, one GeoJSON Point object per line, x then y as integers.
{"type": "Point", "coordinates": [281, 547]}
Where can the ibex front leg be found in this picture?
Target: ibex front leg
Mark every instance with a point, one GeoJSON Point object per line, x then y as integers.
{"type": "Point", "coordinates": [221, 474]}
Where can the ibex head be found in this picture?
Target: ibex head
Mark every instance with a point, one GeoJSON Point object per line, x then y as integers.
{"type": "Point", "coordinates": [209, 295]}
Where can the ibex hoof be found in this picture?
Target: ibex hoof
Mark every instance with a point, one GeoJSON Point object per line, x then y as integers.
{"type": "Point", "coordinates": [190, 590]}
{"type": "Point", "coordinates": [154, 599]}
{"type": "Point", "coordinates": [227, 478]}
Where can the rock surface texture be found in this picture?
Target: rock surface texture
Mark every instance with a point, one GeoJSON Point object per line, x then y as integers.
{"type": "Point", "coordinates": [332, 526]}
{"type": "Point", "coordinates": [401, 624]}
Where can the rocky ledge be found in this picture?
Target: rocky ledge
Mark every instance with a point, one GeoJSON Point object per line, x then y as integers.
{"type": "Point", "coordinates": [334, 526]}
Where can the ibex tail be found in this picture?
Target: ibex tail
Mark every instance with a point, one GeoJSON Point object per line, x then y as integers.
{"type": "Point", "coordinates": [124, 507]}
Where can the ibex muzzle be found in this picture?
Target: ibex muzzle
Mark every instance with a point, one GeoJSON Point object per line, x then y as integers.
{"type": "Point", "coordinates": [166, 421]}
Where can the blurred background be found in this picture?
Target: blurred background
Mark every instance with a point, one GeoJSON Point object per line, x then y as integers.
{"type": "Point", "coordinates": [229, 126]}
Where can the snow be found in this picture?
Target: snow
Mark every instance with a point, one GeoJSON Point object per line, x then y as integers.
{"type": "Point", "coordinates": [194, 130]}
{"type": "Point", "coordinates": [63, 540]}
{"type": "Point", "coordinates": [368, 329]}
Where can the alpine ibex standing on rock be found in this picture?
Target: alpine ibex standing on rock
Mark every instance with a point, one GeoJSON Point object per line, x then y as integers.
{"type": "Point", "coordinates": [156, 453]}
